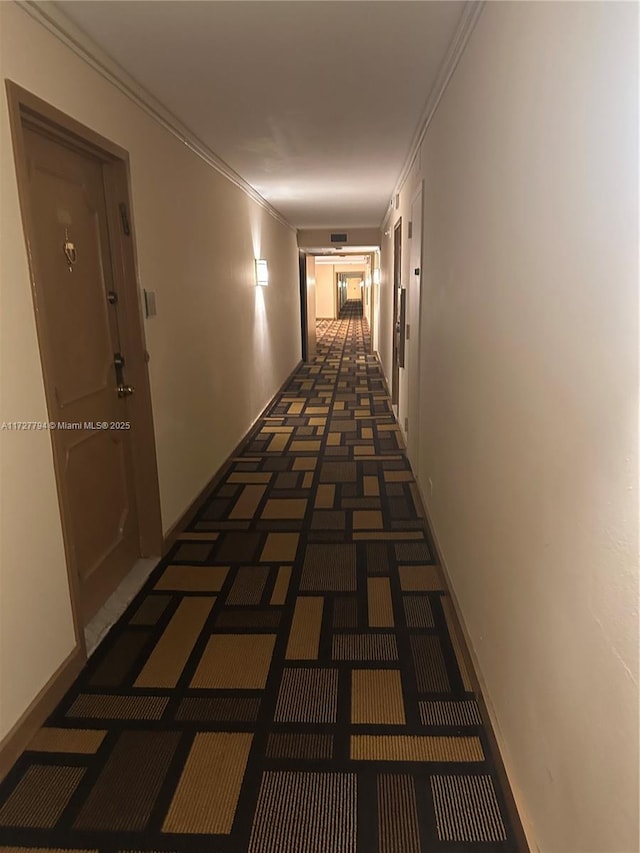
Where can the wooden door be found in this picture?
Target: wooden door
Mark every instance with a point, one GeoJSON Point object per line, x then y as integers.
{"type": "Point", "coordinates": [84, 363]}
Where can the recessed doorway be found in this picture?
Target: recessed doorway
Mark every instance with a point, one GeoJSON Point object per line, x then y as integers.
{"type": "Point", "coordinates": [78, 225]}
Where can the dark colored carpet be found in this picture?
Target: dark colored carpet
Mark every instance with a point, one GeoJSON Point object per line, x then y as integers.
{"type": "Point", "coordinates": [290, 679]}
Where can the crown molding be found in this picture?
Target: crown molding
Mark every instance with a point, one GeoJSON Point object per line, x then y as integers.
{"type": "Point", "coordinates": [468, 19]}
{"type": "Point", "coordinates": [56, 22]}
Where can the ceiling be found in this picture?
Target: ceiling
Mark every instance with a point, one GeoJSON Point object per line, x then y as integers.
{"type": "Point", "coordinates": [313, 102]}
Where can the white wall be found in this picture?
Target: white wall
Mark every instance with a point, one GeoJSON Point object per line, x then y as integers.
{"type": "Point", "coordinates": [529, 398]}
{"type": "Point", "coordinates": [325, 291]}
{"type": "Point", "coordinates": [220, 347]}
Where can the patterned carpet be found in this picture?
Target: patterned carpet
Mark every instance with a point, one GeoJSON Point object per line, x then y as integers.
{"type": "Point", "coordinates": [290, 679]}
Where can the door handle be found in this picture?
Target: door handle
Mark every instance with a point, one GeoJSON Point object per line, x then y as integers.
{"type": "Point", "coordinates": [123, 389]}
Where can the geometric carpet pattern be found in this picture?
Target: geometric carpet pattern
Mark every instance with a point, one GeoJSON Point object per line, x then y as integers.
{"type": "Point", "coordinates": [291, 678]}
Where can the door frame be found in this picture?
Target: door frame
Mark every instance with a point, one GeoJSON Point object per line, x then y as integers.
{"type": "Point", "coordinates": [304, 322]}
{"type": "Point", "coordinates": [26, 108]}
{"type": "Point", "coordinates": [336, 293]}
{"type": "Point", "coordinates": [415, 318]}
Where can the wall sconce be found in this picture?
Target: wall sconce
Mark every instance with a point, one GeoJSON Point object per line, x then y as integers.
{"type": "Point", "coordinates": [262, 273]}
{"type": "Point", "coordinates": [376, 275]}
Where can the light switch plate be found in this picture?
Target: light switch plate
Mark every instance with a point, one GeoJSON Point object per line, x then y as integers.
{"type": "Point", "coordinates": [150, 303]}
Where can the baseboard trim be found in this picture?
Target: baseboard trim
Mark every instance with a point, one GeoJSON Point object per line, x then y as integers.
{"type": "Point", "coordinates": [16, 741]}
{"type": "Point", "coordinates": [513, 800]}
{"type": "Point", "coordinates": [189, 514]}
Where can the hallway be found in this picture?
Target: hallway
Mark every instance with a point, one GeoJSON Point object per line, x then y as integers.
{"type": "Point", "coordinates": [290, 679]}
{"type": "Point", "coordinates": [189, 190]}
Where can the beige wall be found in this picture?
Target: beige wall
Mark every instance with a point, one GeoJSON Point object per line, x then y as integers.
{"type": "Point", "coordinates": [326, 295]}
{"type": "Point", "coordinates": [366, 293]}
{"type": "Point", "coordinates": [325, 291]}
{"type": "Point", "coordinates": [375, 301]}
{"type": "Point", "coordinates": [220, 347]}
{"type": "Point", "coordinates": [385, 333]}
{"type": "Point", "coordinates": [354, 291]}
{"type": "Point", "coordinates": [311, 307]}
{"type": "Point", "coordinates": [529, 403]}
